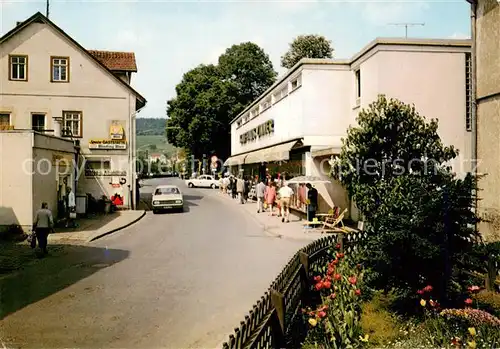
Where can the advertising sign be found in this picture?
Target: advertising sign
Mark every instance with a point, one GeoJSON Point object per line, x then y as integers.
{"type": "Point", "coordinates": [117, 130]}
{"type": "Point", "coordinates": [104, 173]}
{"type": "Point", "coordinates": [263, 129]}
{"type": "Point", "coordinates": [107, 144]}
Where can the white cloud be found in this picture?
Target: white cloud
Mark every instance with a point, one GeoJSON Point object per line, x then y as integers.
{"type": "Point", "coordinates": [459, 36]}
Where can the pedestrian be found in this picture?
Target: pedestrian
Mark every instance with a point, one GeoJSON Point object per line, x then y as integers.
{"type": "Point", "coordinates": [260, 191]}
{"type": "Point", "coordinates": [270, 196]}
{"type": "Point", "coordinates": [312, 199]}
{"type": "Point", "coordinates": [43, 224]}
{"type": "Point", "coordinates": [71, 209]}
{"type": "Point", "coordinates": [240, 188]}
{"type": "Point", "coordinates": [246, 189]}
{"type": "Point", "coordinates": [285, 193]}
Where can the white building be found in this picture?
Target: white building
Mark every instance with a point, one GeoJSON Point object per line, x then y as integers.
{"type": "Point", "coordinates": [298, 123]}
{"type": "Point", "coordinates": [58, 93]}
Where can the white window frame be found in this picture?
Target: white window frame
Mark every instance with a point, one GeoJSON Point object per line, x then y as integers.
{"type": "Point", "coordinates": [18, 65]}
{"type": "Point", "coordinates": [71, 114]}
{"type": "Point", "coordinates": [44, 121]}
{"type": "Point", "coordinates": [56, 63]}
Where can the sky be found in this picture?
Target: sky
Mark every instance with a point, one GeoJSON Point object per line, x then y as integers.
{"type": "Point", "coordinates": [171, 37]}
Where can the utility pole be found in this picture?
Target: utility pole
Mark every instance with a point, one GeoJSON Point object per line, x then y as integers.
{"type": "Point", "coordinates": [406, 25]}
{"type": "Point", "coordinates": [47, 9]}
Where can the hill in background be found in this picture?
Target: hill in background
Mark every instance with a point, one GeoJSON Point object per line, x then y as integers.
{"type": "Point", "coordinates": [151, 136]}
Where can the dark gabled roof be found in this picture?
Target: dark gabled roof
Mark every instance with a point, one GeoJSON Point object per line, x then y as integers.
{"type": "Point", "coordinates": [40, 18]}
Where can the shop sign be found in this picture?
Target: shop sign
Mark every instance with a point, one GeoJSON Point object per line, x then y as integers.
{"type": "Point", "coordinates": [117, 130]}
{"type": "Point", "coordinates": [107, 144]}
{"type": "Point", "coordinates": [263, 129]}
{"type": "Point", "coordinates": [6, 127]}
{"type": "Point", "coordinates": [104, 173]}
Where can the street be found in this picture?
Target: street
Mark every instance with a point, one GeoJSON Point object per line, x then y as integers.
{"type": "Point", "coordinates": [173, 280]}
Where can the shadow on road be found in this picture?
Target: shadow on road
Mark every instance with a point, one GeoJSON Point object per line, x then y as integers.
{"type": "Point", "coordinates": [30, 279]}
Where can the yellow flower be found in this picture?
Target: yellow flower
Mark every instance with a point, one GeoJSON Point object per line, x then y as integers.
{"type": "Point", "coordinates": [423, 302]}
{"type": "Point", "coordinates": [365, 338]}
{"type": "Point", "coordinates": [313, 322]}
{"type": "Point", "coordinates": [472, 331]}
{"type": "Point", "coordinates": [471, 344]}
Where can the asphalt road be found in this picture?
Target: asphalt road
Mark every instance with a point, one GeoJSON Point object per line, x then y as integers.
{"type": "Point", "coordinates": [175, 280]}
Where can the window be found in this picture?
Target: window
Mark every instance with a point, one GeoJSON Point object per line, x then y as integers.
{"type": "Point", "coordinates": [72, 124]}
{"type": "Point", "coordinates": [18, 68]}
{"type": "Point", "coordinates": [4, 120]}
{"type": "Point", "coordinates": [357, 75]}
{"type": "Point", "coordinates": [166, 191]}
{"type": "Point", "coordinates": [38, 122]}
{"type": "Point", "coordinates": [295, 84]}
{"type": "Point", "coordinates": [468, 92]}
{"type": "Point", "coordinates": [60, 69]}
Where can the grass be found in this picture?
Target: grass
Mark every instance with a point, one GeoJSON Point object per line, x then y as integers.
{"type": "Point", "coordinates": [160, 142]}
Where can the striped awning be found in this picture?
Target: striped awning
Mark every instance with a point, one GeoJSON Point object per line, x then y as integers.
{"type": "Point", "coordinates": [235, 160]}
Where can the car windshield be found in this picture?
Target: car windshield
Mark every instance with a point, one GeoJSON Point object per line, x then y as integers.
{"type": "Point", "coordinates": [163, 191]}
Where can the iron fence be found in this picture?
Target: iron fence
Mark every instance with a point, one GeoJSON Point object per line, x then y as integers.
{"type": "Point", "coordinates": [275, 321]}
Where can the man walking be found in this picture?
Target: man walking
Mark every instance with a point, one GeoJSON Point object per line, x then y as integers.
{"type": "Point", "coordinates": [71, 208]}
{"type": "Point", "coordinates": [285, 193]}
{"type": "Point", "coordinates": [260, 190]}
{"type": "Point", "coordinates": [42, 226]}
{"type": "Point", "coordinates": [240, 188]}
{"type": "Point", "coordinates": [312, 197]}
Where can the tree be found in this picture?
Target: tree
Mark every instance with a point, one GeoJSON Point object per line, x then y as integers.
{"type": "Point", "coordinates": [307, 46]}
{"type": "Point", "coordinates": [419, 216]}
{"type": "Point", "coordinates": [209, 97]}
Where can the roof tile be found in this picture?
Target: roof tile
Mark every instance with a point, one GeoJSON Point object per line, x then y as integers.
{"type": "Point", "coordinates": [116, 61]}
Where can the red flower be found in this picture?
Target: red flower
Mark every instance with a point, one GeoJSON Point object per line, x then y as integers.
{"type": "Point", "coordinates": [337, 277]}
{"type": "Point", "coordinates": [353, 280]}
{"type": "Point", "coordinates": [340, 255]}
{"type": "Point", "coordinates": [333, 295]}
{"type": "Point", "coordinates": [337, 246]}
{"type": "Point", "coordinates": [330, 271]}
{"type": "Point", "coordinates": [473, 289]}
{"type": "Point", "coordinates": [357, 292]}
{"type": "Point", "coordinates": [317, 278]}
{"type": "Point", "coordinates": [335, 261]}
{"type": "Point", "coordinates": [432, 303]}
{"type": "Point", "coordinates": [468, 301]}
{"type": "Point", "coordinates": [420, 292]}
{"type": "Point", "coordinates": [327, 284]}
{"type": "Point", "coordinates": [321, 314]}
{"type": "Point", "coordinates": [428, 288]}
{"type": "Point", "coordinates": [319, 286]}
{"type": "Point", "coordinates": [328, 278]}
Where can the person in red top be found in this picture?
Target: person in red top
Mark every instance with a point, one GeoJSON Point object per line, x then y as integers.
{"type": "Point", "coordinates": [270, 196]}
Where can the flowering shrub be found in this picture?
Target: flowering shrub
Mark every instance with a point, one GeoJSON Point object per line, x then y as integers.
{"type": "Point", "coordinates": [336, 322]}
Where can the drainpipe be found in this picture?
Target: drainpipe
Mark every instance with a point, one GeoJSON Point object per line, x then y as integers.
{"type": "Point", "coordinates": [474, 92]}
{"type": "Point", "coordinates": [132, 159]}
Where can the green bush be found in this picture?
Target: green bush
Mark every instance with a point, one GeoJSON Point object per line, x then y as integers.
{"type": "Point", "coordinates": [488, 301]}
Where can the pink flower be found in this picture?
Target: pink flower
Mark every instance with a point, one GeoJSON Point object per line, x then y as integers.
{"type": "Point", "coordinates": [428, 288]}
{"type": "Point", "coordinates": [321, 314]}
{"type": "Point", "coordinates": [468, 301]}
{"type": "Point", "coordinates": [337, 277]}
{"type": "Point", "coordinates": [317, 278]}
{"type": "Point", "coordinates": [474, 289]}
{"type": "Point", "coordinates": [420, 292]}
{"type": "Point", "coordinates": [327, 284]}
{"type": "Point", "coordinates": [319, 286]}
{"type": "Point", "coordinates": [353, 280]}
{"type": "Point", "coordinates": [333, 295]}
{"type": "Point", "coordinates": [358, 292]}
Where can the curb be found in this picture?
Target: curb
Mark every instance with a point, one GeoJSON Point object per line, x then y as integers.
{"type": "Point", "coordinates": [117, 229]}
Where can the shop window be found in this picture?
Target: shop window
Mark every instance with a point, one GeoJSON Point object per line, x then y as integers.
{"type": "Point", "coordinates": [72, 124]}
{"type": "Point", "coordinates": [38, 122]}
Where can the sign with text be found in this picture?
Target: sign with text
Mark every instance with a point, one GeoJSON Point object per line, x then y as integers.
{"type": "Point", "coordinates": [117, 130]}
{"type": "Point", "coordinates": [104, 173]}
{"type": "Point", "coordinates": [263, 129]}
{"type": "Point", "coordinates": [107, 144]}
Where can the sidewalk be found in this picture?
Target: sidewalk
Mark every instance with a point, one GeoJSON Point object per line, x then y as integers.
{"type": "Point", "coordinates": [272, 224]}
{"type": "Point", "coordinates": [94, 227]}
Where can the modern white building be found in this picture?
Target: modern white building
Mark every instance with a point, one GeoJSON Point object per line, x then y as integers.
{"type": "Point", "coordinates": [298, 123]}
{"type": "Point", "coordinates": [58, 93]}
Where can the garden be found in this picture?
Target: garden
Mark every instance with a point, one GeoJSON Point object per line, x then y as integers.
{"type": "Point", "coordinates": [423, 276]}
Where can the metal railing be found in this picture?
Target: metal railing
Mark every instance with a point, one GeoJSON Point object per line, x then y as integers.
{"type": "Point", "coordinates": [275, 321]}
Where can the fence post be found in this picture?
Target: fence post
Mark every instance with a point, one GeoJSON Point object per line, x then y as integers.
{"type": "Point", "coordinates": [340, 241]}
{"type": "Point", "coordinates": [278, 323]}
{"type": "Point", "coordinates": [304, 277]}
{"type": "Point", "coordinates": [491, 274]}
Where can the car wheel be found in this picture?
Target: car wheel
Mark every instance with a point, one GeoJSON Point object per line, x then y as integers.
{"type": "Point", "coordinates": [190, 185]}
{"type": "Point", "coordinates": [213, 186]}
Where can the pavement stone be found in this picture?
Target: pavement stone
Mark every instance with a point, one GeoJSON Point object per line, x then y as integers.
{"type": "Point", "coordinates": [272, 224]}
{"type": "Point", "coordinates": [96, 227]}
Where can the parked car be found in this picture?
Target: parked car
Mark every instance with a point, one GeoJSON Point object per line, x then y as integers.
{"type": "Point", "coordinates": [167, 197]}
{"type": "Point", "coordinates": [203, 181]}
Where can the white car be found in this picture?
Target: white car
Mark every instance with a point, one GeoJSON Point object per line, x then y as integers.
{"type": "Point", "coordinates": [203, 181]}
{"type": "Point", "coordinates": [167, 197]}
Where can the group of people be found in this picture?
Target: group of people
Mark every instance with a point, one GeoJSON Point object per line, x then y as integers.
{"type": "Point", "coordinates": [271, 195]}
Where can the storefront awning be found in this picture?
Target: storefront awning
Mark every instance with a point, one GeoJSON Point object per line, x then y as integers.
{"type": "Point", "coordinates": [235, 160]}
{"type": "Point", "coordinates": [275, 153]}
{"type": "Point", "coordinates": [325, 152]}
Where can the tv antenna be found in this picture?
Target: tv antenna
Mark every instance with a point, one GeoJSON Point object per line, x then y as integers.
{"type": "Point", "coordinates": [406, 25]}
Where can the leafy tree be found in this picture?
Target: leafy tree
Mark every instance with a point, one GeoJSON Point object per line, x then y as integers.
{"type": "Point", "coordinates": [307, 46]}
{"type": "Point", "coordinates": [209, 97]}
{"type": "Point", "coordinates": [419, 217]}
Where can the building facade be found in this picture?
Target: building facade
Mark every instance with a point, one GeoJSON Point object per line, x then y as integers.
{"type": "Point", "coordinates": [486, 36]}
{"type": "Point", "coordinates": [297, 125]}
{"type": "Point", "coordinates": [50, 84]}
